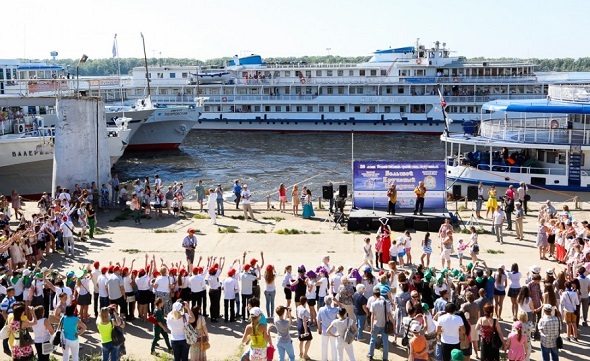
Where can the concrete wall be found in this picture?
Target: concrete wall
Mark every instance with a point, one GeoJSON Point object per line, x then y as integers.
{"type": "Point", "coordinates": [81, 150]}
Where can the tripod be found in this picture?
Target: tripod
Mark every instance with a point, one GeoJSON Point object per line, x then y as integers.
{"type": "Point", "coordinates": [473, 221]}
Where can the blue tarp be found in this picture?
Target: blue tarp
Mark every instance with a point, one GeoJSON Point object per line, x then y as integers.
{"type": "Point", "coordinates": [407, 49]}
{"type": "Point", "coordinates": [537, 106]}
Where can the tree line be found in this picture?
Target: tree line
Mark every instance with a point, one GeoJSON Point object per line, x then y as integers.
{"type": "Point", "coordinates": [109, 66]}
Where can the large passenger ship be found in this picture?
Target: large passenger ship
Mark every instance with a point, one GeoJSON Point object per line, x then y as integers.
{"type": "Point", "coordinates": [397, 90]}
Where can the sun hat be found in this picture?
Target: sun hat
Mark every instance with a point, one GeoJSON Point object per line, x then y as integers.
{"type": "Point", "coordinates": [177, 306]}
{"type": "Point", "coordinates": [535, 269]}
{"type": "Point", "coordinates": [547, 307]}
{"type": "Point", "coordinates": [415, 327]}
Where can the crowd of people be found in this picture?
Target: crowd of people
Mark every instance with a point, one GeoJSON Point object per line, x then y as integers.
{"type": "Point", "coordinates": [451, 312]}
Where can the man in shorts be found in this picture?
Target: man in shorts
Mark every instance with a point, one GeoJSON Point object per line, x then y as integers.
{"type": "Point", "coordinates": [447, 246]}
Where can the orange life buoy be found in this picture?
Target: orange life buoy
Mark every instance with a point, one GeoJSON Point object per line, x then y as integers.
{"type": "Point", "coordinates": [553, 124]}
{"type": "Point", "coordinates": [303, 81]}
{"type": "Point", "coordinates": [224, 99]}
{"type": "Point", "coordinates": [418, 61]}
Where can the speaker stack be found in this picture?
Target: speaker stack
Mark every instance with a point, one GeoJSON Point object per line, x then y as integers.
{"type": "Point", "coordinates": [472, 193]}
{"type": "Point", "coordinates": [327, 192]}
{"type": "Point", "coordinates": [343, 191]}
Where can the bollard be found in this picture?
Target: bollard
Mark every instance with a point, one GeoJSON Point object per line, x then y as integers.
{"type": "Point", "coordinates": [319, 202]}
{"type": "Point", "coordinates": [576, 204]}
{"type": "Point", "coordinates": [268, 202]}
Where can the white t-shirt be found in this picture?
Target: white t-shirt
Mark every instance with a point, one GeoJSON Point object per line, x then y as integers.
{"type": "Point", "coordinates": [514, 279]}
{"type": "Point", "coordinates": [143, 283]}
{"type": "Point", "coordinates": [450, 328]}
{"type": "Point", "coordinates": [335, 282]}
{"type": "Point", "coordinates": [323, 291]}
{"type": "Point", "coordinates": [95, 275]}
{"type": "Point", "coordinates": [176, 326]}
{"type": "Point", "coordinates": [246, 197]}
{"type": "Point", "coordinates": [499, 217]}
{"type": "Point", "coordinates": [196, 283]}
{"type": "Point", "coordinates": [102, 285]}
{"type": "Point", "coordinates": [230, 287]}
{"type": "Point", "coordinates": [162, 284]}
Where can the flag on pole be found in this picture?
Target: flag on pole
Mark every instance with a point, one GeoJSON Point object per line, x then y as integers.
{"type": "Point", "coordinates": [115, 52]}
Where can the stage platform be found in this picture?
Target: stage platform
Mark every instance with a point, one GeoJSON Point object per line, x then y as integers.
{"type": "Point", "coordinates": [368, 220]}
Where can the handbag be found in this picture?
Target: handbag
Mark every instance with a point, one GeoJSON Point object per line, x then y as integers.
{"type": "Point", "coordinates": [205, 346]}
{"type": "Point", "coordinates": [464, 343]}
{"type": "Point", "coordinates": [496, 341]}
{"type": "Point", "coordinates": [152, 319]}
{"type": "Point", "coordinates": [559, 340]}
{"type": "Point", "coordinates": [349, 334]}
{"type": "Point", "coordinates": [56, 337]}
{"type": "Point", "coordinates": [24, 337]}
{"type": "Point", "coordinates": [46, 348]}
{"type": "Point", "coordinates": [270, 352]}
{"type": "Point", "coordinates": [117, 335]}
{"type": "Point", "coordinates": [406, 339]}
{"type": "Point", "coordinates": [388, 324]}
{"type": "Point", "coordinates": [189, 333]}
{"type": "Point", "coordinates": [204, 339]}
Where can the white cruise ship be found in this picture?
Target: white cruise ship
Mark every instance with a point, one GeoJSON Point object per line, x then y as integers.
{"type": "Point", "coordinates": [395, 91]}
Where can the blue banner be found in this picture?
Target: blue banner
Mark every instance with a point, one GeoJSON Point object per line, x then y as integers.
{"type": "Point", "coordinates": [372, 179]}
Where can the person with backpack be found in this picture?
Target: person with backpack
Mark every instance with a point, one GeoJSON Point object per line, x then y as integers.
{"type": "Point", "coordinates": [345, 332]}
{"type": "Point", "coordinates": [105, 326]}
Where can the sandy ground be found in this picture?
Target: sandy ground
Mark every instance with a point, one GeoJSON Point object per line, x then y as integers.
{"type": "Point", "coordinates": [121, 239]}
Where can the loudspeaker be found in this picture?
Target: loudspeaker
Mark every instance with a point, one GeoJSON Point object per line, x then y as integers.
{"type": "Point", "coordinates": [456, 191]}
{"type": "Point", "coordinates": [471, 193]}
{"type": "Point", "coordinates": [343, 191]}
{"type": "Point", "coordinates": [327, 192]}
{"type": "Point", "coordinates": [397, 224]}
{"type": "Point", "coordinates": [421, 225]}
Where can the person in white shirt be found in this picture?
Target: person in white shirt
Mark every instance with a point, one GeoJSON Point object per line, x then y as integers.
{"type": "Point", "coordinates": [94, 275]}
{"type": "Point", "coordinates": [569, 302]}
{"type": "Point", "coordinates": [67, 230]}
{"type": "Point", "coordinates": [335, 280]}
{"type": "Point", "coordinates": [246, 195]}
{"type": "Point", "coordinates": [584, 292]}
{"type": "Point", "coordinates": [101, 282]}
{"type": "Point", "coordinates": [499, 218]}
{"type": "Point", "coordinates": [212, 205]}
{"type": "Point", "coordinates": [450, 327]}
{"type": "Point", "coordinates": [196, 283]}
{"type": "Point", "coordinates": [230, 287]}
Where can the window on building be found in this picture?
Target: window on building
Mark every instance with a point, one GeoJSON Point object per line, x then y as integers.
{"type": "Point", "coordinates": [362, 72]}
{"type": "Point", "coordinates": [329, 73]}
{"type": "Point", "coordinates": [383, 72]}
{"type": "Point", "coordinates": [373, 72]}
{"type": "Point", "coordinates": [340, 90]}
{"type": "Point", "coordinates": [321, 109]}
{"type": "Point", "coordinates": [342, 109]}
{"type": "Point", "coordinates": [387, 109]}
{"type": "Point", "coordinates": [351, 73]}
{"type": "Point", "coordinates": [318, 73]}
{"type": "Point", "coordinates": [340, 72]}
{"type": "Point", "coordinates": [299, 109]}
{"type": "Point", "coordinates": [307, 73]}
{"type": "Point", "coordinates": [331, 109]}
{"type": "Point", "coordinates": [310, 108]}
{"type": "Point", "coordinates": [357, 109]}
{"type": "Point", "coordinates": [400, 89]}
{"type": "Point", "coordinates": [277, 108]}
{"type": "Point", "coordinates": [184, 75]}
{"type": "Point", "coordinates": [172, 75]}
{"type": "Point", "coordinates": [267, 108]}
{"type": "Point", "coordinates": [287, 108]}
{"type": "Point", "coordinates": [287, 74]}
{"type": "Point", "coordinates": [359, 90]}
{"type": "Point", "coordinates": [330, 90]}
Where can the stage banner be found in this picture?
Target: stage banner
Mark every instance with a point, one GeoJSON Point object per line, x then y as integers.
{"type": "Point", "coordinates": [372, 179]}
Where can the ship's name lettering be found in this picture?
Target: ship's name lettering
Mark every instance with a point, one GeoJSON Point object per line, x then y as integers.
{"type": "Point", "coordinates": [28, 153]}
{"type": "Point", "coordinates": [175, 113]}
{"type": "Point", "coordinates": [377, 99]}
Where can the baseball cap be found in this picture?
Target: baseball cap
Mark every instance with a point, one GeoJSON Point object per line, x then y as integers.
{"type": "Point", "coordinates": [517, 325]}
{"type": "Point", "coordinates": [547, 307]}
{"type": "Point", "coordinates": [191, 231]}
{"type": "Point", "coordinates": [457, 355]}
{"type": "Point", "coordinates": [255, 311]}
{"type": "Point", "coordinates": [177, 306]}
{"type": "Point", "coordinates": [415, 327]}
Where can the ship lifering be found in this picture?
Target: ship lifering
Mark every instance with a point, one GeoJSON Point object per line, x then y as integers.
{"type": "Point", "coordinates": [183, 129]}
{"type": "Point", "coordinates": [224, 99]}
{"type": "Point", "coordinates": [303, 81]}
{"type": "Point", "coordinates": [418, 61]}
{"type": "Point", "coordinates": [553, 124]}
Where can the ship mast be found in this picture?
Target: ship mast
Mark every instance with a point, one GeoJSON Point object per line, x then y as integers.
{"type": "Point", "coordinates": [147, 78]}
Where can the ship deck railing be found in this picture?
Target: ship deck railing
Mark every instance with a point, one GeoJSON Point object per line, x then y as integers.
{"type": "Point", "coordinates": [542, 130]}
{"type": "Point", "coordinates": [569, 93]}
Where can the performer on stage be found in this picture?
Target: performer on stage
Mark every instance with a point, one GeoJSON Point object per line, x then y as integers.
{"type": "Point", "coordinates": [420, 192]}
{"type": "Point", "coordinates": [392, 195]}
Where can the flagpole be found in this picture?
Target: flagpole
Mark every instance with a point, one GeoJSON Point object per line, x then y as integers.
{"type": "Point", "coordinates": [116, 55]}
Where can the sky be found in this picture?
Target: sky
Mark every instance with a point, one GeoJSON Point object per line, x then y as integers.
{"type": "Point", "coordinates": [206, 29]}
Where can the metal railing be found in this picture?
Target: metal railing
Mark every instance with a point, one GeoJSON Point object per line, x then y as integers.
{"type": "Point", "coordinates": [522, 169]}
{"type": "Point", "coordinates": [570, 93]}
{"type": "Point", "coordinates": [534, 130]}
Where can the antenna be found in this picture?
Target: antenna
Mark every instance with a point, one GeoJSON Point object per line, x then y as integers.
{"type": "Point", "coordinates": [147, 78]}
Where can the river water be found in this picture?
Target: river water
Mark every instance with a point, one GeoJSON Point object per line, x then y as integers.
{"type": "Point", "coordinates": [266, 159]}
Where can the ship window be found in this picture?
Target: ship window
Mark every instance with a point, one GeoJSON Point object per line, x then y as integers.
{"type": "Point", "coordinates": [330, 90]}
{"type": "Point", "coordinates": [310, 109]}
{"type": "Point", "coordinates": [387, 109]}
{"type": "Point", "coordinates": [373, 72]}
{"type": "Point", "coordinates": [357, 109]}
{"type": "Point", "coordinates": [329, 73]}
{"type": "Point", "coordinates": [163, 91]}
{"type": "Point", "coordinates": [207, 108]}
{"type": "Point", "coordinates": [342, 109]}
{"type": "Point", "coordinates": [551, 156]}
{"type": "Point", "coordinates": [359, 90]}
{"type": "Point", "coordinates": [307, 73]}
{"type": "Point", "coordinates": [362, 72]}
{"type": "Point", "coordinates": [352, 90]}
{"type": "Point", "coordinates": [267, 108]}
{"type": "Point", "coordinates": [184, 75]}
{"type": "Point", "coordinates": [257, 108]}
{"type": "Point", "coordinates": [160, 75]}
{"type": "Point", "coordinates": [318, 73]}
{"type": "Point", "coordinates": [561, 157]}
{"type": "Point", "coordinates": [340, 90]}
{"type": "Point", "coordinates": [383, 72]}
{"type": "Point", "coordinates": [402, 109]}
{"type": "Point", "coordinates": [298, 109]}
{"type": "Point", "coordinates": [400, 89]}
{"type": "Point", "coordinates": [340, 72]}
{"type": "Point", "coordinates": [420, 72]}
{"type": "Point", "coordinates": [403, 72]}
{"type": "Point", "coordinates": [287, 74]}
{"type": "Point", "coordinates": [331, 109]}
{"type": "Point", "coordinates": [277, 108]}
{"type": "Point", "coordinates": [351, 73]}
{"type": "Point", "coordinates": [172, 75]}
{"type": "Point", "coordinates": [288, 108]}
{"type": "Point", "coordinates": [321, 109]}
{"type": "Point", "coordinates": [388, 90]}
{"type": "Point", "coordinates": [150, 75]}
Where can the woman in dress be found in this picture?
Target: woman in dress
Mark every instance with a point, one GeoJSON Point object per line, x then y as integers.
{"type": "Point", "coordinates": [295, 199]}
{"type": "Point", "coordinates": [258, 336]}
{"type": "Point", "coordinates": [492, 203]}
{"type": "Point", "coordinates": [71, 328]}
{"type": "Point", "coordinates": [303, 331]}
{"type": "Point", "coordinates": [542, 243]}
{"type": "Point", "coordinates": [426, 249]}
{"type": "Point", "coordinates": [384, 232]}
{"type": "Point", "coordinates": [400, 300]}
{"type": "Point", "coordinates": [212, 205]}
{"type": "Point", "coordinates": [308, 206]}
{"type": "Point", "coordinates": [282, 197]}
{"type": "Point", "coordinates": [15, 200]}
{"type": "Point", "coordinates": [517, 343]}
{"type": "Point", "coordinates": [200, 325]}
{"type": "Point", "coordinates": [17, 329]}
{"type": "Point", "coordinates": [42, 331]}
{"type": "Point", "coordinates": [486, 325]}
